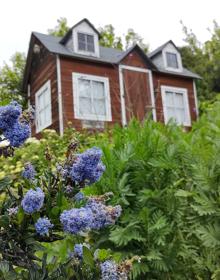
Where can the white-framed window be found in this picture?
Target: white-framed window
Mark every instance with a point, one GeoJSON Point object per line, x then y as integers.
{"type": "Point", "coordinates": [86, 42]}
{"type": "Point", "coordinates": [91, 97]}
{"type": "Point", "coordinates": [172, 61]}
{"type": "Point", "coordinates": [43, 107]}
{"type": "Point", "coordinates": [172, 58]}
{"type": "Point", "coordinates": [176, 105]}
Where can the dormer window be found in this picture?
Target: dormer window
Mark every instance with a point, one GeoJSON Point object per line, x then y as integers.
{"type": "Point", "coordinates": [172, 61]}
{"type": "Point", "coordinates": [86, 42]}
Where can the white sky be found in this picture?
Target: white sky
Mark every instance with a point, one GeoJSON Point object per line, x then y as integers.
{"type": "Point", "coordinates": [156, 21]}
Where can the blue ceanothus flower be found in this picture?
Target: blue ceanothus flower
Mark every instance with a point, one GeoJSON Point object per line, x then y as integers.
{"type": "Point", "coordinates": [17, 134]}
{"type": "Point", "coordinates": [88, 167]}
{"type": "Point", "coordinates": [15, 131]}
{"type": "Point", "coordinates": [109, 270]}
{"type": "Point", "coordinates": [43, 225]}
{"type": "Point", "coordinates": [33, 201]}
{"type": "Point", "coordinates": [102, 215]}
{"type": "Point", "coordinates": [29, 171]}
{"type": "Point", "coordinates": [9, 115]}
{"type": "Point", "coordinates": [76, 220]}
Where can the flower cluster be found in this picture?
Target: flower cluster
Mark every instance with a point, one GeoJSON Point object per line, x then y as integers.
{"type": "Point", "coordinates": [33, 201]}
{"type": "Point", "coordinates": [109, 270]}
{"type": "Point", "coordinates": [13, 129]}
{"type": "Point", "coordinates": [29, 171]}
{"type": "Point", "coordinates": [95, 215]}
{"type": "Point", "coordinates": [87, 167]}
{"type": "Point", "coordinates": [102, 215]}
{"type": "Point", "coordinates": [43, 225]}
{"type": "Point", "coordinates": [9, 115]}
{"type": "Point", "coordinates": [76, 220]}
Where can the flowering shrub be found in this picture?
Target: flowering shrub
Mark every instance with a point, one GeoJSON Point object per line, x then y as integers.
{"type": "Point", "coordinates": [52, 208]}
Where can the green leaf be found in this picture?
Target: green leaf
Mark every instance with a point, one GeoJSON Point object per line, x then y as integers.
{"type": "Point", "coordinates": [4, 183]}
{"type": "Point", "coordinates": [88, 257]}
{"type": "Point", "coordinates": [4, 266]}
{"type": "Point", "coordinates": [183, 193]}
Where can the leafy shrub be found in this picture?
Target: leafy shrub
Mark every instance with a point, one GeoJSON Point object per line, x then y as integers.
{"type": "Point", "coordinates": [167, 183]}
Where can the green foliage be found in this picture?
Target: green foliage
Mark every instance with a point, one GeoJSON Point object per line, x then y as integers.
{"type": "Point", "coordinates": [203, 59]}
{"type": "Point", "coordinates": [60, 29]}
{"type": "Point", "coordinates": [109, 39]}
{"type": "Point", "coordinates": [11, 76]}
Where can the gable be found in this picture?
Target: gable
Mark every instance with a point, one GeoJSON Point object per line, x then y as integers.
{"type": "Point", "coordinates": [71, 39]}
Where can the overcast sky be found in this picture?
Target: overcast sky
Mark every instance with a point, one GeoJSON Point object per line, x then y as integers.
{"type": "Point", "coordinates": [156, 21]}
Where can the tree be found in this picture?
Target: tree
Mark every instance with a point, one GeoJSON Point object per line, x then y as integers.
{"type": "Point", "coordinates": [60, 29]}
{"type": "Point", "coordinates": [132, 38]}
{"type": "Point", "coordinates": [11, 77]}
{"type": "Point", "coordinates": [108, 38]}
{"type": "Point", "coordinates": [203, 59]}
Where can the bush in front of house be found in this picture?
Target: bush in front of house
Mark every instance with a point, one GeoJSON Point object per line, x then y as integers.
{"type": "Point", "coordinates": [165, 180]}
{"type": "Point", "coordinates": [50, 211]}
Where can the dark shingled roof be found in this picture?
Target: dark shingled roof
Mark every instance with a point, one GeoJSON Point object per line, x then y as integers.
{"type": "Point", "coordinates": [108, 55]}
{"type": "Point", "coordinates": [184, 73]}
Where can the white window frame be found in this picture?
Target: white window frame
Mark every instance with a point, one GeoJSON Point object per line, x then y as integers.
{"type": "Point", "coordinates": [86, 51]}
{"type": "Point", "coordinates": [37, 94]}
{"type": "Point", "coordinates": [92, 117]}
{"type": "Point", "coordinates": [179, 60]}
{"type": "Point", "coordinates": [183, 91]}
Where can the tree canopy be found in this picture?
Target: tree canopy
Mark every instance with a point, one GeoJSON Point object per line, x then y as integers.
{"type": "Point", "coordinates": [11, 76]}
{"type": "Point", "coordinates": [203, 59]}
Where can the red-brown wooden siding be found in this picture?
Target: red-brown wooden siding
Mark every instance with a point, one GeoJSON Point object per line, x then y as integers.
{"type": "Point", "coordinates": [69, 66]}
{"type": "Point", "coordinates": [38, 77]}
{"type": "Point", "coordinates": [160, 79]}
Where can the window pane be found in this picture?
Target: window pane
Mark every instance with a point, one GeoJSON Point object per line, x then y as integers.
{"type": "Point", "coordinates": [46, 97]}
{"type": "Point", "coordinates": [81, 41]}
{"type": "Point", "coordinates": [90, 43]}
{"type": "Point", "coordinates": [85, 106]}
{"type": "Point", "coordinates": [84, 88]}
{"type": "Point", "coordinates": [179, 100]}
{"type": "Point", "coordinates": [99, 107]}
{"type": "Point", "coordinates": [90, 48]}
{"type": "Point", "coordinates": [98, 90]}
{"type": "Point", "coordinates": [81, 46]}
{"type": "Point", "coordinates": [169, 98]}
{"type": "Point", "coordinates": [41, 102]}
{"type": "Point", "coordinates": [171, 60]}
{"type": "Point", "coordinates": [41, 119]}
{"type": "Point", "coordinates": [180, 116]}
{"type": "Point", "coordinates": [171, 113]}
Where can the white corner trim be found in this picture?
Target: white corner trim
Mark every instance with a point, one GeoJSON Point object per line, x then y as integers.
{"type": "Point", "coordinates": [91, 117]}
{"type": "Point", "coordinates": [196, 98]}
{"type": "Point", "coordinates": [152, 96]}
{"type": "Point", "coordinates": [59, 93]}
{"type": "Point", "coordinates": [184, 91]}
{"type": "Point", "coordinates": [122, 97]}
{"type": "Point", "coordinates": [122, 93]}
